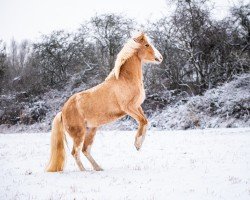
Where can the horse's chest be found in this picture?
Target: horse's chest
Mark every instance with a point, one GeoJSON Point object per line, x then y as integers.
{"type": "Point", "coordinates": [141, 94]}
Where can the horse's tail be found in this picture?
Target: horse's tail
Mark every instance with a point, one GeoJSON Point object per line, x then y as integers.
{"type": "Point", "coordinates": [57, 149]}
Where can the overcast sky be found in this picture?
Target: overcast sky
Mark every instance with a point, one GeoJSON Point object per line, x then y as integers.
{"type": "Point", "coordinates": [28, 19]}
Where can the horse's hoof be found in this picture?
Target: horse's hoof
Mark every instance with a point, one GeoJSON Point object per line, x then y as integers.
{"type": "Point", "coordinates": [98, 169]}
{"type": "Point", "coordinates": [138, 142]}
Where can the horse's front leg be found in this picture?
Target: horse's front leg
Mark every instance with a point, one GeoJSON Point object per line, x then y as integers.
{"type": "Point", "coordinates": [139, 116]}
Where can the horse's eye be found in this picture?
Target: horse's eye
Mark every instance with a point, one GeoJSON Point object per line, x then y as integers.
{"type": "Point", "coordinates": [146, 45]}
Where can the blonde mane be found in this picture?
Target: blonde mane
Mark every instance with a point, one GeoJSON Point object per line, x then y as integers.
{"type": "Point", "coordinates": [129, 49]}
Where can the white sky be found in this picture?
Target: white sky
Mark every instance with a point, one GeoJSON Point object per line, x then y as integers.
{"type": "Point", "coordinates": [28, 19]}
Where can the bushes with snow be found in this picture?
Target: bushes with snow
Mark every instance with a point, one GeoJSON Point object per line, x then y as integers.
{"type": "Point", "coordinates": [225, 106]}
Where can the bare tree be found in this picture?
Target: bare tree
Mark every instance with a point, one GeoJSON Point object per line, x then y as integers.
{"type": "Point", "coordinates": [13, 58]}
{"type": "Point", "coordinates": [241, 19]}
{"type": "Point", "coordinates": [2, 63]}
{"type": "Point", "coordinates": [23, 53]}
{"type": "Point", "coordinates": [109, 32]}
{"type": "Point", "coordinates": [56, 55]}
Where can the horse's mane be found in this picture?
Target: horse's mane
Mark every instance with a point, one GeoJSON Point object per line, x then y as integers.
{"type": "Point", "coordinates": [128, 50]}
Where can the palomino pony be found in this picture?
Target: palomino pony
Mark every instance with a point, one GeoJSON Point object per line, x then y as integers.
{"type": "Point", "coordinates": [122, 93]}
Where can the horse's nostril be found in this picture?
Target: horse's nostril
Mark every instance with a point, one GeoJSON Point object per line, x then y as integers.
{"type": "Point", "coordinates": [157, 59]}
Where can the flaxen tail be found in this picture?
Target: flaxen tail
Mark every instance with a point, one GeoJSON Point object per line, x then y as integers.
{"type": "Point", "coordinates": [57, 149]}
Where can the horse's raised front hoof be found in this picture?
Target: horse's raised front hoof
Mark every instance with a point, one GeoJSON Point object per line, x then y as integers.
{"type": "Point", "coordinates": [138, 142]}
{"type": "Point", "coordinates": [137, 148]}
{"type": "Point", "coordinates": [137, 145]}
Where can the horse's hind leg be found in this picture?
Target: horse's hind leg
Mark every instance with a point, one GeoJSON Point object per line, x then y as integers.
{"type": "Point", "coordinates": [87, 147]}
{"type": "Point", "coordinates": [77, 146]}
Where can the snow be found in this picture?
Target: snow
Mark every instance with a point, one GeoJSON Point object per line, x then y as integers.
{"type": "Point", "coordinates": [192, 164]}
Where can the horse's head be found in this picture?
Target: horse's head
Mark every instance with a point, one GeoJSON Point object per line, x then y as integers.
{"type": "Point", "coordinates": [146, 51]}
{"type": "Point", "coordinates": [139, 45]}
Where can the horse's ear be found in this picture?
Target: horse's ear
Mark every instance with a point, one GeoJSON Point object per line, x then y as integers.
{"type": "Point", "coordinates": [139, 38]}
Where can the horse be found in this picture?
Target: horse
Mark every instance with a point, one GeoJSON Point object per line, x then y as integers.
{"type": "Point", "coordinates": [122, 93]}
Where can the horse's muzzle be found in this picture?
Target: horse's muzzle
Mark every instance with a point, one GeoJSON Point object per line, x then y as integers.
{"type": "Point", "coordinates": [159, 59]}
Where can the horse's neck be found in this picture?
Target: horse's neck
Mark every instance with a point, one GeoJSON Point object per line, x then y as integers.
{"type": "Point", "coordinates": [132, 70]}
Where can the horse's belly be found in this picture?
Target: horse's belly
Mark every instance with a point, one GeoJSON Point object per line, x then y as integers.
{"type": "Point", "coordinates": [103, 118]}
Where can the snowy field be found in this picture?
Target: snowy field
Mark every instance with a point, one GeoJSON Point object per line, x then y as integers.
{"type": "Point", "coordinates": [198, 164]}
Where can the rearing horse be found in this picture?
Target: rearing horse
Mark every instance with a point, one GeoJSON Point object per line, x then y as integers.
{"type": "Point", "coordinates": [122, 93]}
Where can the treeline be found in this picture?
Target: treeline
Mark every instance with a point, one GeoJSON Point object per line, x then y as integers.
{"type": "Point", "coordinates": [199, 52]}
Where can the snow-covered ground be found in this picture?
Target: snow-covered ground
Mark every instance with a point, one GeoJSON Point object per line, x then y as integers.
{"type": "Point", "coordinates": [193, 164]}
